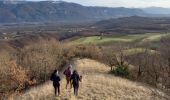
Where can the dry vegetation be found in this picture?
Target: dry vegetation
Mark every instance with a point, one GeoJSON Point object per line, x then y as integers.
{"type": "Point", "coordinates": [37, 61]}
{"type": "Point", "coordinates": [12, 76]}
{"type": "Point", "coordinates": [97, 84]}
{"type": "Point", "coordinates": [33, 64]}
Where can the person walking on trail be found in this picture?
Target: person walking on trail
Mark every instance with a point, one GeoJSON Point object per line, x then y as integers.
{"type": "Point", "coordinates": [56, 81]}
{"type": "Point", "coordinates": [75, 78]}
{"type": "Point", "coordinates": [67, 74]}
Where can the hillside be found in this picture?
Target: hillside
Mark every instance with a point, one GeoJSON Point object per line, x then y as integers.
{"type": "Point", "coordinates": [97, 84]}
{"type": "Point", "coordinates": [59, 11]}
{"type": "Point", "coordinates": [134, 24]}
{"type": "Point", "coordinates": [157, 10]}
{"type": "Point", "coordinates": [126, 38]}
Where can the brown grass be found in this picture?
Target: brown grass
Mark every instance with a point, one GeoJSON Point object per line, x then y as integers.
{"type": "Point", "coordinates": [38, 60]}
{"type": "Point", "coordinates": [97, 84]}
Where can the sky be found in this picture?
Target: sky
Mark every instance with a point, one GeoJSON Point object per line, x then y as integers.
{"type": "Point", "coordinates": [122, 3]}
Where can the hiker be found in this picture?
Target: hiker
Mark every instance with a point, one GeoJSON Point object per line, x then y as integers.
{"type": "Point", "coordinates": [75, 78]}
{"type": "Point", "coordinates": [67, 74]}
{"type": "Point", "coordinates": [56, 81]}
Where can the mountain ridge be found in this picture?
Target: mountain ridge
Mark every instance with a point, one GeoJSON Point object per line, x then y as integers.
{"type": "Point", "coordinates": [157, 10]}
{"type": "Point", "coordinates": [133, 24]}
{"type": "Point", "coordinates": [14, 11]}
{"type": "Point", "coordinates": [51, 11]}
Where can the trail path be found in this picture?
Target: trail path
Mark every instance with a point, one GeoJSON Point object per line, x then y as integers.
{"type": "Point", "coordinates": [97, 84]}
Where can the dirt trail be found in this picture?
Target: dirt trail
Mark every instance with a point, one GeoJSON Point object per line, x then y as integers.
{"type": "Point", "coordinates": [97, 84]}
{"type": "Point", "coordinates": [46, 90]}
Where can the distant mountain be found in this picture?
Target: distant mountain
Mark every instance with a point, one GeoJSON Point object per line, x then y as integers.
{"type": "Point", "coordinates": [13, 1]}
{"type": "Point", "coordinates": [134, 24]}
{"type": "Point", "coordinates": [12, 11]}
{"type": "Point", "coordinates": [157, 10]}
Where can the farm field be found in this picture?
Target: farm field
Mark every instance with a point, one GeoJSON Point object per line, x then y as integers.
{"type": "Point", "coordinates": [133, 51]}
{"type": "Point", "coordinates": [148, 37]}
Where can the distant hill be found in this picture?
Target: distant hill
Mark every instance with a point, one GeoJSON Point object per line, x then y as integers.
{"type": "Point", "coordinates": [17, 11]}
{"type": "Point", "coordinates": [134, 24]}
{"type": "Point", "coordinates": [12, 11]}
{"type": "Point", "coordinates": [12, 1]}
{"type": "Point", "coordinates": [157, 10]}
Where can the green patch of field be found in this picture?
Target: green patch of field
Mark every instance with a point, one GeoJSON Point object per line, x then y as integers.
{"type": "Point", "coordinates": [154, 37]}
{"type": "Point", "coordinates": [148, 37]}
{"type": "Point", "coordinates": [107, 39]}
{"type": "Point", "coordinates": [93, 40]}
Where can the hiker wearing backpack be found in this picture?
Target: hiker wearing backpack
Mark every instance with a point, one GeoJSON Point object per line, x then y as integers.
{"type": "Point", "coordinates": [56, 81]}
{"type": "Point", "coordinates": [75, 78]}
{"type": "Point", "coordinates": [67, 74]}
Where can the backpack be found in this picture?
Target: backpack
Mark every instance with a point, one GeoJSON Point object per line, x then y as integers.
{"type": "Point", "coordinates": [75, 79]}
{"type": "Point", "coordinates": [67, 73]}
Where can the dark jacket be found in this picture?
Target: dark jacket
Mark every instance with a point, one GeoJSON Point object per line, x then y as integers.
{"type": "Point", "coordinates": [75, 78]}
{"type": "Point", "coordinates": [55, 78]}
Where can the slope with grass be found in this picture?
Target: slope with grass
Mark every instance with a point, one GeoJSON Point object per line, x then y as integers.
{"type": "Point", "coordinates": [106, 39]}
{"type": "Point", "coordinates": [148, 37]}
{"type": "Point", "coordinates": [133, 51]}
{"type": "Point", "coordinates": [155, 37]}
{"type": "Point", "coordinates": [97, 84]}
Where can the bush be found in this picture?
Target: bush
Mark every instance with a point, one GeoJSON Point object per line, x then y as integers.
{"type": "Point", "coordinates": [43, 57]}
{"type": "Point", "coordinates": [122, 71]}
{"type": "Point", "coordinates": [91, 51]}
{"type": "Point", "coordinates": [13, 77]}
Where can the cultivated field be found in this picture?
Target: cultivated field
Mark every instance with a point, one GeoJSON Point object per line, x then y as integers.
{"type": "Point", "coordinates": [148, 37]}
{"type": "Point", "coordinates": [133, 51]}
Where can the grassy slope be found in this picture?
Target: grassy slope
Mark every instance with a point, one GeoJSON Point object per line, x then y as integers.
{"type": "Point", "coordinates": [155, 37]}
{"type": "Point", "coordinates": [120, 38]}
{"type": "Point", "coordinates": [97, 40]}
{"type": "Point", "coordinates": [133, 51]}
{"type": "Point", "coordinates": [97, 84]}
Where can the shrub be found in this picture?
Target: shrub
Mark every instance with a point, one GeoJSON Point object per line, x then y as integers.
{"type": "Point", "coordinates": [121, 70]}
{"type": "Point", "coordinates": [13, 77]}
{"type": "Point", "coordinates": [43, 57]}
{"type": "Point", "coordinates": [91, 51]}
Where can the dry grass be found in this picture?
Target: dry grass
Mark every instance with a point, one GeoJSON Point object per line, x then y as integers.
{"type": "Point", "coordinates": [12, 76]}
{"type": "Point", "coordinates": [97, 84]}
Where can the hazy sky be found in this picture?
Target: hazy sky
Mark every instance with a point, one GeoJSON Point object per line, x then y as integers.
{"type": "Point", "coordinates": [122, 3]}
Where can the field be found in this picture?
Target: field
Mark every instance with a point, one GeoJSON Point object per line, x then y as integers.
{"type": "Point", "coordinates": [133, 51]}
{"type": "Point", "coordinates": [94, 65]}
{"type": "Point", "coordinates": [97, 84]}
{"type": "Point", "coordinates": [152, 37]}
{"type": "Point", "coordinates": [125, 58]}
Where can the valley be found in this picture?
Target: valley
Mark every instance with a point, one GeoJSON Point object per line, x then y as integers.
{"type": "Point", "coordinates": [122, 53]}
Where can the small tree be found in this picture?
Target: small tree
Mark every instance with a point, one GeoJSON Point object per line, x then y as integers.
{"type": "Point", "coordinates": [122, 71]}
{"type": "Point", "coordinates": [109, 58]}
